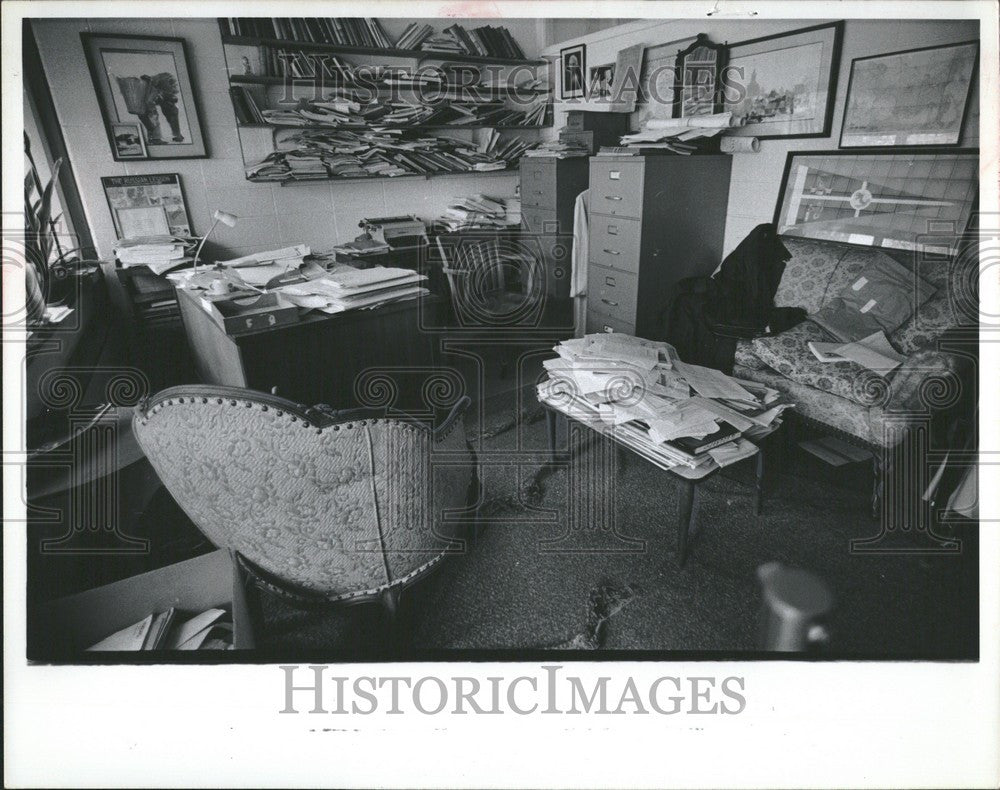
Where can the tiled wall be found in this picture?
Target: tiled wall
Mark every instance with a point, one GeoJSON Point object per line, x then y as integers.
{"type": "Point", "coordinates": [756, 178]}
{"type": "Point", "coordinates": [320, 215]}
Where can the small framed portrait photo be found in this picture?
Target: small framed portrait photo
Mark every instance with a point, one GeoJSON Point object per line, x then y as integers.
{"type": "Point", "coordinates": [129, 141]}
{"type": "Point", "coordinates": [601, 78]}
{"type": "Point", "coordinates": [574, 69]}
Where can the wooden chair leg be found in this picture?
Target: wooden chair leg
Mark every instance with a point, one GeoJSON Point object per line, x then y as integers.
{"type": "Point", "coordinates": [398, 628]}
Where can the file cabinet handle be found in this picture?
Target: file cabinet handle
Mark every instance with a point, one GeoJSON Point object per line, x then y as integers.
{"type": "Point", "coordinates": [612, 230]}
{"type": "Point", "coordinates": [612, 252]}
{"type": "Point", "coordinates": [609, 281]}
{"type": "Point", "coordinates": [610, 303]}
{"type": "Point", "coordinates": [612, 197]}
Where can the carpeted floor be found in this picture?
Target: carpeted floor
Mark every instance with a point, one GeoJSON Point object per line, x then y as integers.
{"type": "Point", "coordinates": [612, 583]}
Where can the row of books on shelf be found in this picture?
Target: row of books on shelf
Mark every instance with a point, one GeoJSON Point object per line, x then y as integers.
{"type": "Point", "coordinates": [346, 31]}
{"type": "Point", "coordinates": [341, 109]}
{"type": "Point", "coordinates": [484, 41]}
{"type": "Point", "coordinates": [323, 154]}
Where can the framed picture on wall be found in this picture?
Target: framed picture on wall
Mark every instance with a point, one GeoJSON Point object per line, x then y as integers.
{"type": "Point", "coordinates": [876, 197]}
{"type": "Point", "coordinates": [784, 85]}
{"type": "Point", "coordinates": [573, 62]}
{"type": "Point", "coordinates": [146, 80]}
{"type": "Point", "coordinates": [150, 205]}
{"type": "Point", "coordinates": [915, 97]}
{"type": "Point", "coordinates": [129, 141]}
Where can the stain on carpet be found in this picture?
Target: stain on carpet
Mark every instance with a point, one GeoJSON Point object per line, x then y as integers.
{"type": "Point", "coordinates": [606, 600]}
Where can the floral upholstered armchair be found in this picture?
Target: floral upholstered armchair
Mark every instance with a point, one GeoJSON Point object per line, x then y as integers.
{"type": "Point", "coordinates": [320, 505]}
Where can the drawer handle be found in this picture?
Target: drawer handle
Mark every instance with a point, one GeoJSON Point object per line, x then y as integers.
{"type": "Point", "coordinates": [612, 197]}
{"type": "Point", "coordinates": [610, 303]}
{"type": "Point", "coordinates": [612, 252]}
{"type": "Point", "coordinates": [612, 230]}
{"type": "Point", "coordinates": [609, 281]}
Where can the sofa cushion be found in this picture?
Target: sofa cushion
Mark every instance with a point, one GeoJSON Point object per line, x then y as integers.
{"type": "Point", "coordinates": [788, 353]}
{"type": "Point", "coordinates": [937, 314]}
{"type": "Point", "coordinates": [864, 423]}
{"type": "Point", "coordinates": [807, 273]}
{"type": "Point", "coordinates": [882, 297]}
{"type": "Point", "coordinates": [746, 357]}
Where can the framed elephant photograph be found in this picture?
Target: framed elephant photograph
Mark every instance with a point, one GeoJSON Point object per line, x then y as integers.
{"type": "Point", "coordinates": [146, 80]}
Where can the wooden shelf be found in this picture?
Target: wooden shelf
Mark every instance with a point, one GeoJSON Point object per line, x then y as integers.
{"type": "Point", "coordinates": [254, 79]}
{"type": "Point", "coordinates": [300, 181]}
{"type": "Point", "coordinates": [384, 127]}
{"type": "Point", "coordinates": [343, 49]}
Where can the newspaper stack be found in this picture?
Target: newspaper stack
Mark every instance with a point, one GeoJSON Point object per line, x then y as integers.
{"type": "Point", "coordinates": [679, 135]}
{"type": "Point", "coordinates": [159, 253]}
{"type": "Point", "coordinates": [478, 211]}
{"type": "Point", "coordinates": [344, 287]}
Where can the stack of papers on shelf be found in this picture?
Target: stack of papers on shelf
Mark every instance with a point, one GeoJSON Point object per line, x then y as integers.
{"type": "Point", "coordinates": [345, 287]}
{"type": "Point", "coordinates": [680, 135]}
{"type": "Point", "coordinates": [560, 149]}
{"type": "Point", "coordinates": [478, 211]}
{"type": "Point", "coordinates": [656, 403]}
{"type": "Point", "coordinates": [159, 253]}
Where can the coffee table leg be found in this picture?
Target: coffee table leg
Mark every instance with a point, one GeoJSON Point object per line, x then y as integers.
{"type": "Point", "coordinates": [758, 504]}
{"type": "Point", "coordinates": [684, 519]}
{"type": "Point", "coordinates": [550, 424]}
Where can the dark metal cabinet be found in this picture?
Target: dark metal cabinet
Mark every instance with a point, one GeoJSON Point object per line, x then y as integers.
{"type": "Point", "coordinates": [654, 220]}
{"type": "Point", "coordinates": [549, 188]}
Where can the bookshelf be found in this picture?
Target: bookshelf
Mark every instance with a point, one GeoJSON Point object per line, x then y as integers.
{"type": "Point", "coordinates": [491, 100]}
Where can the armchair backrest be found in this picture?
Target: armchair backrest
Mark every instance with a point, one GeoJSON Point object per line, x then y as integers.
{"type": "Point", "coordinates": [331, 509]}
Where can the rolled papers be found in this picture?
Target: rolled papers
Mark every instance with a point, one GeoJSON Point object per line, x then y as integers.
{"type": "Point", "coordinates": [739, 145]}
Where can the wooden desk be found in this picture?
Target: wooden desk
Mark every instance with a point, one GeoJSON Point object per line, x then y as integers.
{"type": "Point", "coordinates": [320, 358]}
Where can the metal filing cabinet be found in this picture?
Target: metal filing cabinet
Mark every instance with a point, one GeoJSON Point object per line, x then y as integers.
{"type": "Point", "coordinates": [654, 220]}
{"type": "Point", "coordinates": [549, 187]}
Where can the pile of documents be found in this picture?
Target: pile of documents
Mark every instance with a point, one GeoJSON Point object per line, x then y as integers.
{"type": "Point", "coordinates": [344, 287]}
{"type": "Point", "coordinates": [322, 154]}
{"type": "Point", "coordinates": [654, 400]}
{"type": "Point", "coordinates": [159, 253]}
{"type": "Point", "coordinates": [478, 211]}
{"type": "Point", "coordinates": [560, 149]}
{"type": "Point", "coordinates": [680, 135]}
{"type": "Point", "coordinates": [209, 630]}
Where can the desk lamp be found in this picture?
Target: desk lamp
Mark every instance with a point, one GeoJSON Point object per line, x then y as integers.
{"type": "Point", "coordinates": [220, 216]}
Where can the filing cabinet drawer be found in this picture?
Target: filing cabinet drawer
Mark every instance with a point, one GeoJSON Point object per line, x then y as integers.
{"type": "Point", "coordinates": [612, 293]}
{"type": "Point", "coordinates": [616, 188]}
{"type": "Point", "coordinates": [615, 242]}
{"type": "Point", "coordinates": [538, 183]}
{"type": "Point", "coordinates": [600, 323]}
{"type": "Point", "coordinates": [539, 220]}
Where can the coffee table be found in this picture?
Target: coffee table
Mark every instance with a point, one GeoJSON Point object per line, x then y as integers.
{"type": "Point", "coordinates": [632, 438]}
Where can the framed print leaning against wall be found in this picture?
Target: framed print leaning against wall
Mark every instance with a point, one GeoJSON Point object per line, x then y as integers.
{"type": "Point", "coordinates": [146, 80]}
{"type": "Point", "coordinates": [915, 97]}
{"type": "Point", "coordinates": [878, 198]}
{"type": "Point", "coordinates": [784, 85]}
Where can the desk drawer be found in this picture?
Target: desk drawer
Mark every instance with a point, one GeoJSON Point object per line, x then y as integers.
{"type": "Point", "coordinates": [601, 323]}
{"type": "Point", "coordinates": [615, 242]}
{"type": "Point", "coordinates": [539, 220]}
{"type": "Point", "coordinates": [612, 293]}
{"type": "Point", "coordinates": [616, 188]}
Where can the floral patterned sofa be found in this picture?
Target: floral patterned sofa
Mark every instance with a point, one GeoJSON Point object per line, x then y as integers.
{"type": "Point", "coordinates": [845, 396]}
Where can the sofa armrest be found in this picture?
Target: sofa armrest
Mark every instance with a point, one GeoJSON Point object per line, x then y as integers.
{"type": "Point", "coordinates": [931, 380]}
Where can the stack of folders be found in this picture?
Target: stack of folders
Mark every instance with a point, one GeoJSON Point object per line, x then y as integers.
{"type": "Point", "coordinates": [208, 630]}
{"type": "Point", "coordinates": [344, 287]}
{"type": "Point", "coordinates": [477, 211]}
{"type": "Point", "coordinates": [560, 149]}
{"type": "Point", "coordinates": [671, 412]}
{"type": "Point", "coordinates": [680, 135]}
{"type": "Point", "coordinates": [159, 253]}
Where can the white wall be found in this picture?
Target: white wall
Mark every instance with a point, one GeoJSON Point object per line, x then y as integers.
{"type": "Point", "coordinates": [320, 215]}
{"type": "Point", "coordinates": [756, 178]}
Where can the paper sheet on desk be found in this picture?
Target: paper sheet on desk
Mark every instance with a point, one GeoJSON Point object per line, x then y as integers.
{"type": "Point", "coordinates": [711, 383]}
{"type": "Point", "coordinates": [263, 274]}
{"type": "Point", "coordinates": [689, 419]}
{"type": "Point", "coordinates": [299, 251]}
